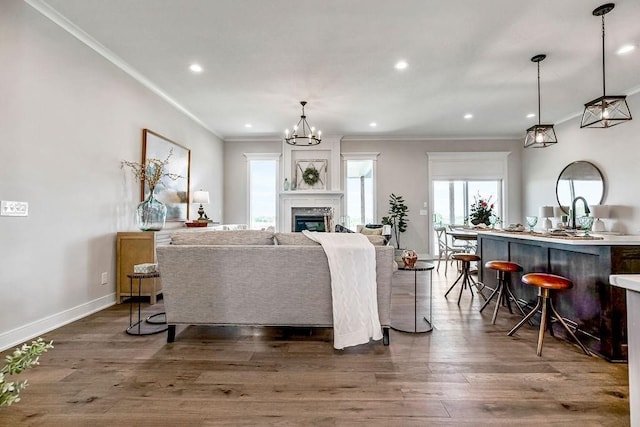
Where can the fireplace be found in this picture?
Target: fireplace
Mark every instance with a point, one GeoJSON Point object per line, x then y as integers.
{"type": "Point", "coordinates": [312, 219]}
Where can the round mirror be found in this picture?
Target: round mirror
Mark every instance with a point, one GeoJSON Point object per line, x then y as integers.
{"type": "Point", "coordinates": [580, 178]}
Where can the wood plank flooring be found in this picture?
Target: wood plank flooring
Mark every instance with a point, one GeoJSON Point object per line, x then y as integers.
{"type": "Point", "coordinates": [465, 372]}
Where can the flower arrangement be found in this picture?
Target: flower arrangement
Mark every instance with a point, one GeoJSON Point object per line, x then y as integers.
{"type": "Point", "coordinates": [22, 358]}
{"type": "Point", "coordinates": [151, 172]}
{"type": "Point", "coordinates": [481, 210]}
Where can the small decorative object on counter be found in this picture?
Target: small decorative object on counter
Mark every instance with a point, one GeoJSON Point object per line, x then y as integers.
{"type": "Point", "coordinates": [286, 184]}
{"type": "Point", "coordinates": [409, 258]}
{"type": "Point", "coordinates": [145, 268]}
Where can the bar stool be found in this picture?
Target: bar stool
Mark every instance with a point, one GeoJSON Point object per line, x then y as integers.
{"type": "Point", "coordinates": [503, 271]}
{"type": "Point", "coordinates": [546, 283]}
{"type": "Point", "coordinates": [465, 275]}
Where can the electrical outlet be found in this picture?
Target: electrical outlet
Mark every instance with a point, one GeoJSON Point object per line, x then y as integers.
{"type": "Point", "coordinates": [104, 278]}
{"type": "Point", "coordinates": [10, 208]}
{"type": "Point", "coordinates": [424, 212]}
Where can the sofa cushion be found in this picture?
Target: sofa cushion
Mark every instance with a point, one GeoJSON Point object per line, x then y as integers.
{"type": "Point", "coordinates": [223, 237]}
{"type": "Point", "coordinates": [371, 231]}
{"type": "Point", "coordinates": [298, 239]}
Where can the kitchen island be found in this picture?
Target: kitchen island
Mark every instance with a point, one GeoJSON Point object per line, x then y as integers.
{"type": "Point", "coordinates": [595, 308]}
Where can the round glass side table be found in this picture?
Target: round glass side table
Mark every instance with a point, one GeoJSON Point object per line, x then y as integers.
{"type": "Point", "coordinates": [425, 324]}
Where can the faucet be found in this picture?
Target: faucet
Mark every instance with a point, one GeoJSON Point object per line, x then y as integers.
{"type": "Point", "coordinates": [572, 224]}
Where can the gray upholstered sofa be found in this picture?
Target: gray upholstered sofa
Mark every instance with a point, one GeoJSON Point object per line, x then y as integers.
{"type": "Point", "coordinates": [257, 278]}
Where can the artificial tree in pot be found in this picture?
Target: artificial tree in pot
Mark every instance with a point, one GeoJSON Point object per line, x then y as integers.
{"type": "Point", "coordinates": [397, 219]}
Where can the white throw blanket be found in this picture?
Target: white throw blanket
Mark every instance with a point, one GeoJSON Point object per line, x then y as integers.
{"type": "Point", "coordinates": [352, 263]}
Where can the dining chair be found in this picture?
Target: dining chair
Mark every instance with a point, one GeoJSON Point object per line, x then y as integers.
{"type": "Point", "coordinates": [445, 249]}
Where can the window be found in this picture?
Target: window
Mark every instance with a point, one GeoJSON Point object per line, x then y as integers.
{"type": "Point", "coordinates": [359, 184]}
{"type": "Point", "coordinates": [263, 194]}
{"type": "Point", "coordinates": [452, 200]}
{"type": "Point", "coordinates": [455, 179]}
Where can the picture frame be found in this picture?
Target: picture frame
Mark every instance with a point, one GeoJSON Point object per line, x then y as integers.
{"type": "Point", "coordinates": [320, 165]}
{"type": "Point", "coordinates": [173, 193]}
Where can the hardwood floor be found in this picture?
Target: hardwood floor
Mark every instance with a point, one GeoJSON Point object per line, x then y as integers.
{"type": "Point", "coordinates": [465, 372]}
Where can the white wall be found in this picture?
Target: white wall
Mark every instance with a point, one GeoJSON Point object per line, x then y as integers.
{"type": "Point", "coordinates": [67, 119]}
{"type": "Point", "coordinates": [615, 151]}
{"type": "Point", "coordinates": [402, 168]}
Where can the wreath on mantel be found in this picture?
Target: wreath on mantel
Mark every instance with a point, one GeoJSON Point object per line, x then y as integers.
{"type": "Point", "coordinates": [311, 175]}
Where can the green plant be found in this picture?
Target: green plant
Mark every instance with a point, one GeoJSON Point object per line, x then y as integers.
{"type": "Point", "coordinates": [22, 358]}
{"type": "Point", "coordinates": [397, 218]}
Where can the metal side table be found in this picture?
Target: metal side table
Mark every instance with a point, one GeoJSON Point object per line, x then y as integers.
{"type": "Point", "coordinates": [136, 328]}
{"type": "Point", "coordinates": [420, 266]}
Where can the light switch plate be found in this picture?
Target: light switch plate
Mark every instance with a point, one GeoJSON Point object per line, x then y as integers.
{"type": "Point", "coordinates": [10, 208]}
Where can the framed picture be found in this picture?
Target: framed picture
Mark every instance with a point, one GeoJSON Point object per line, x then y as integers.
{"type": "Point", "coordinates": [311, 174]}
{"type": "Point", "coordinates": [173, 193]}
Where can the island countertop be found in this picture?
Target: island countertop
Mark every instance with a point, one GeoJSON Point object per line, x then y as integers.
{"type": "Point", "coordinates": [594, 239]}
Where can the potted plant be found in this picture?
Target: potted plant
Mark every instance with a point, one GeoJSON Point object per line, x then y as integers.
{"type": "Point", "coordinates": [397, 218]}
{"type": "Point", "coordinates": [481, 210]}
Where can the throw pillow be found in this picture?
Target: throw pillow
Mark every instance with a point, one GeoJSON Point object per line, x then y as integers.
{"type": "Point", "coordinates": [371, 231]}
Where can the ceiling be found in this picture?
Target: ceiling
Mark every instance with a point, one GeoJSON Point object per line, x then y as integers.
{"type": "Point", "coordinates": [260, 58]}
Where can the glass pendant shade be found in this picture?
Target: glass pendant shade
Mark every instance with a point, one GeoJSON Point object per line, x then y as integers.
{"type": "Point", "coordinates": [539, 136]}
{"type": "Point", "coordinates": [608, 110]}
{"type": "Point", "coordinates": [605, 112]}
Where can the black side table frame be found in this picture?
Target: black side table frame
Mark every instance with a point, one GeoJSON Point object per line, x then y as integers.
{"type": "Point", "coordinates": [420, 266]}
{"type": "Point", "coordinates": [136, 328]}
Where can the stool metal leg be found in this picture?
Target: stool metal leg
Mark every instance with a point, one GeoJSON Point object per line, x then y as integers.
{"type": "Point", "coordinates": [527, 317]}
{"type": "Point", "coordinates": [553, 309]}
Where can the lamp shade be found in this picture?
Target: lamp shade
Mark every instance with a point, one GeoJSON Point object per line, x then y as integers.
{"type": "Point", "coordinates": [200, 196]}
{"type": "Point", "coordinates": [546, 211]}
{"type": "Point", "coordinates": [600, 211]}
{"type": "Point", "coordinates": [558, 211]}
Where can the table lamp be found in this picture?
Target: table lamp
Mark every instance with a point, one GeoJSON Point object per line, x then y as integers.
{"type": "Point", "coordinates": [561, 212]}
{"type": "Point", "coordinates": [201, 197]}
{"type": "Point", "coordinates": [599, 211]}
{"type": "Point", "coordinates": [546, 212]}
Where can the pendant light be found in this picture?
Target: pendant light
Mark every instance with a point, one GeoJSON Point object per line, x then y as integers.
{"type": "Point", "coordinates": [303, 134]}
{"type": "Point", "coordinates": [539, 136]}
{"type": "Point", "coordinates": [610, 110]}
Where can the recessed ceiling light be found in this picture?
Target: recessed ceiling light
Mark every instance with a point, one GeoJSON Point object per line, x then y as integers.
{"type": "Point", "coordinates": [401, 65]}
{"type": "Point", "coordinates": [468, 116]}
{"type": "Point", "coordinates": [627, 48]}
{"type": "Point", "coordinates": [373, 124]}
{"type": "Point", "coordinates": [248, 125]}
{"type": "Point", "coordinates": [530, 115]}
{"type": "Point", "coordinates": [196, 68]}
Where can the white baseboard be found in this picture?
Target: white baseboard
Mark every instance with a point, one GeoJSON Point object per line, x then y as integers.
{"type": "Point", "coordinates": [32, 330]}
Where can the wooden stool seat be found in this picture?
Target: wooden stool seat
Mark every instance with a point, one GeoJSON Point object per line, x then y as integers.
{"type": "Point", "coordinates": [502, 290]}
{"type": "Point", "coordinates": [546, 283]}
{"type": "Point", "coordinates": [465, 275]}
{"type": "Point", "coordinates": [506, 266]}
{"type": "Point", "coordinates": [466, 257]}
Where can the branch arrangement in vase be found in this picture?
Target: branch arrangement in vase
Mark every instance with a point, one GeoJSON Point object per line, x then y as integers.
{"type": "Point", "coordinates": [151, 172]}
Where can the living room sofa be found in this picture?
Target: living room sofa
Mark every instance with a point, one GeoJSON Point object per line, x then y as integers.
{"type": "Point", "coordinates": [257, 278]}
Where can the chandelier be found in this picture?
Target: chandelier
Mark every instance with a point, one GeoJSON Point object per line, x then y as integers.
{"type": "Point", "coordinates": [303, 134]}
{"type": "Point", "coordinates": [539, 136]}
{"type": "Point", "coordinates": [605, 111]}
